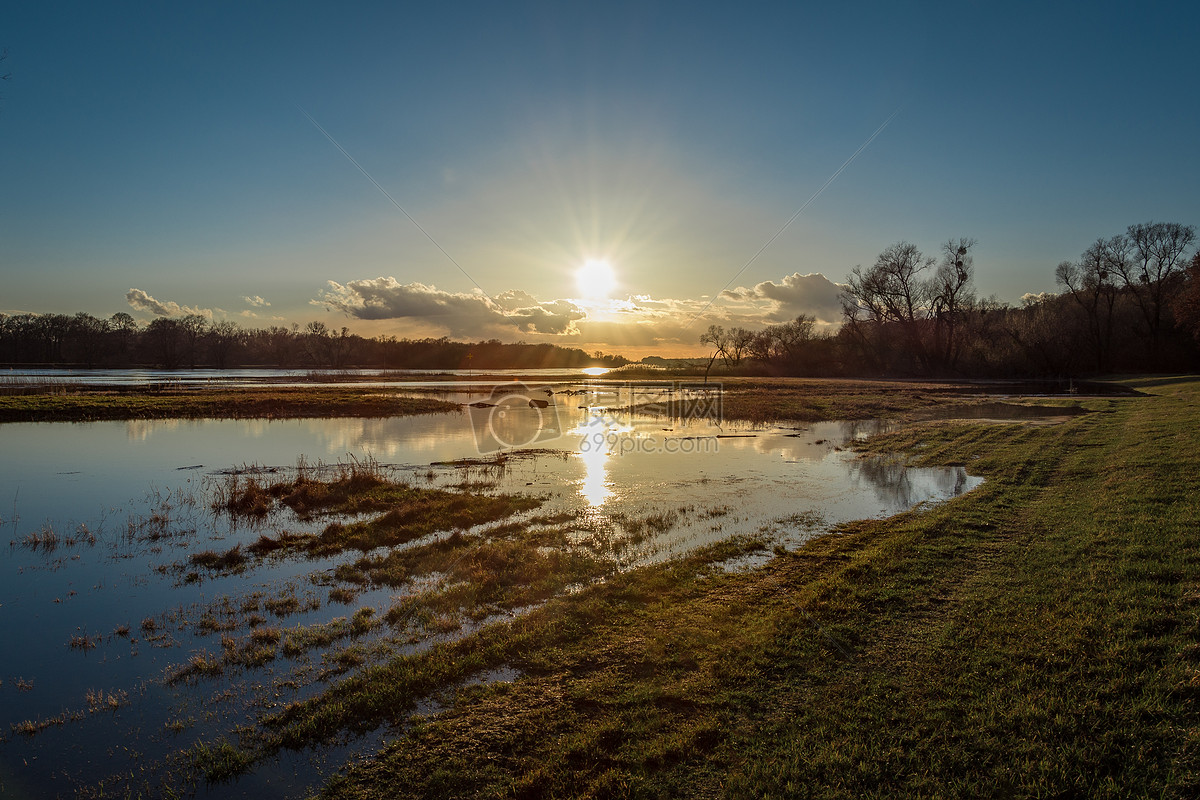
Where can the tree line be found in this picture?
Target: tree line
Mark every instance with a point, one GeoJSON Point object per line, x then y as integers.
{"type": "Point", "coordinates": [1130, 303]}
{"type": "Point", "coordinates": [194, 341]}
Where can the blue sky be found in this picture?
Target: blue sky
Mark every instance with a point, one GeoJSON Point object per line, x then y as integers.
{"type": "Point", "coordinates": [164, 148]}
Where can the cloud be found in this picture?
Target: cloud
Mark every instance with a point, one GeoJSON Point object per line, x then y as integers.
{"type": "Point", "coordinates": [795, 294]}
{"type": "Point", "coordinates": [255, 302]}
{"type": "Point", "coordinates": [1032, 299]}
{"type": "Point", "coordinates": [462, 314]}
{"type": "Point", "coordinates": [638, 322]}
{"type": "Point", "coordinates": [142, 301]}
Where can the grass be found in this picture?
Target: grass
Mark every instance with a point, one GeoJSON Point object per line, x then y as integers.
{"type": "Point", "coordinates": [86, 404]}
{"type": "Point", "coordinates": [403, 513]}
{"type": "Point", "coordinates": [98, 701]}
{"type": "Point", "coordinates": [81, 641]}
{"type": "Point", "coordinates": [229, 560]}
{"type": "Point", "coordinates": [815, 400]}
{"type": "Point", "coordinates": [1039, 636]}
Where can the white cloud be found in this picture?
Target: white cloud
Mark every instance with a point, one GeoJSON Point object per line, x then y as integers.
{"type": "Point", "coordinates": [462, 314]}
{"type": "Point", "coordinates": [255, 301]}
{"type": "Point", "coordinates": [142, 301]}
{"type": "Point", "coordinates": [1032, 299]}
{"type": "Point", "coordinates": [795, 294]}
{"type": "Point", "coordinates": [638, 322]}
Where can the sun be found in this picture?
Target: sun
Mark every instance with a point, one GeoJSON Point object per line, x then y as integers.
{"type": "Point", "coordinates": [596, 279]}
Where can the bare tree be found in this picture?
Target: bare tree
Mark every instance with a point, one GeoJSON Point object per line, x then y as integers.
{"type": "Point", "coordinates": [718, 339]}
{"type": "Point", "coordinates": [739, 344]}
{"type": "Point", "coordinates": [282, 343]}
{"type": "Point", "coordinates": [123, 331]}
{"type": "Point", "coordinates": [193, 327]}
{"type": "Point", "coordinates": [165, 337]}
{"type": "Point", "coordinates": [892, 291]}
{"type": "Point", "coordinates": [222, 338]}
{"type": "Point", "coordinates": [1158, 253]}
{"type": "Point", "coordinates": [90, 338]}
{"type": "Point", "coordinates": [950, 297]}
{"type": "Point", "coordinates": [1038, 332]}
{"type": "Point", "coordinates": [1092, 283]}
{"type": "Point", "coordinates": [1187, 302]}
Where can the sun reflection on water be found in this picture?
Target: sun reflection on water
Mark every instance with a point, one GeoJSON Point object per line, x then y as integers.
{"type": "Point", "coordinates": [597, 436]}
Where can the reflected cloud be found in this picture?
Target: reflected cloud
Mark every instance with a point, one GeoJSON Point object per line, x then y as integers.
{"type": "Point", "coordinates": [900, 486]}
{"type": "Point", "coordinates": [139, 430]}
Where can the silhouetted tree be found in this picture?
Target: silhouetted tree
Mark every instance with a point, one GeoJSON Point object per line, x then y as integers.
{"type": "Point", "coordinates": [1091, 283]}
{"type": "Point", "coordinates": [283, 344]}
{"type": "Point", "coordinates": [1187, 302]}
{"type": "Point", "coordinates": [1046, 346]}
{"type": "Point", "coordinates": [192, 328]}
{"type": "Point", "coordinates": [89, 339]}
{"type": "Point", "coordinates": [892, 292]}
{"type": "Point", "coordinates": [1157, 258]}
{"type": "Point", "coordinates": [165, 340]}
{"type": "Point", "coordinates": [950, 299]}
{"type": "Point", "coordinates": [123, 332]}
{"type": "Point", "coordinates": [222, 338]}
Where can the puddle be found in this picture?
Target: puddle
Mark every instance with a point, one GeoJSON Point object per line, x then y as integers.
{"type": "Point", "coordinates": [93, 603]}
{"type": "Point", "coordinates": [1005, 412]}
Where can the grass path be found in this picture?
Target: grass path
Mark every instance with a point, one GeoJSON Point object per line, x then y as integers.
{"type": "Point", "coordinates": [1039, 637]}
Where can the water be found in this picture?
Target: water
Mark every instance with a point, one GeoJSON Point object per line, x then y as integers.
{"type": "Point", "coordinates": [129, 501]}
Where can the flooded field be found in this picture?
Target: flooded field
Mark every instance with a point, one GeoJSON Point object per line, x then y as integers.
{"type": "Point", "coordinates": [134, 640]}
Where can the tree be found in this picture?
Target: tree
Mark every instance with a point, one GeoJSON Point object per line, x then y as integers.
{"type": "Point", "coordinates": [53, 330]}
{"type": "Point", "coordinates": [165, 339]}
{"type": "Point", "coordinates": [950, 297]}
{"type": "Point", "coordinates": [892, 292]}
{"type": "Point", "coordinates": [89, 338]}
{"type": "Point", "coordinates": [1158, 253]}
{"type": "Point", "coordinates": [123, 331]}
{"type": "Point", "coordinates": [718, 339]}
{"type": "Point", "coordinates": [192, 328]}
{"type": "Point", "coordinates": [222, 338]}
{"type": "Point", "coordinates": [1037, 331]}
{"type": "Point", "coordinates": [1187, 302]}
{"type": "Point", "coordinates": [739, 344]}
{"type": "Point", "coordinates": [282, 344]}
{"type": "Point", "coordinates": [1091, 283]}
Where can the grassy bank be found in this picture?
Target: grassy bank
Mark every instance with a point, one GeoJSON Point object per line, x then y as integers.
{"type": "Point", "coordinates": [1037, 637]}
{"type": "Point", "coordinates": [254, 402]}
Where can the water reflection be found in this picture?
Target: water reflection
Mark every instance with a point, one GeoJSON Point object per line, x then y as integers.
{"type": "Point", "coordinates": [898, 485]}
{"type": "Point", "coordinates": [594, 487]}
{"type": "Point", "coordinates": [597, 436]}
{"type": "Point", "coordinates": [139, 430]}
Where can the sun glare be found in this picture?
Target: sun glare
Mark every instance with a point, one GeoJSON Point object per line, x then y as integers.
{"type": "Point", "coordinates": [596, 280]}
